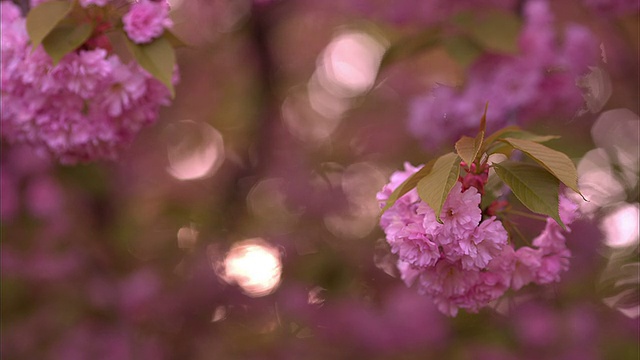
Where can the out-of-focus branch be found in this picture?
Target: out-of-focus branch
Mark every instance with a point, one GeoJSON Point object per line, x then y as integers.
{"type": "Point", "coordinates": [265, 125]}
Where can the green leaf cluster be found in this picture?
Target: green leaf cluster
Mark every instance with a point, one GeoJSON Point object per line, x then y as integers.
{"type": "Point", "coordinates": [52, 25]}
{"type": "Point", "coordinates": [64, 26]}
{"type": "Point", "coordinates": [535, 184]}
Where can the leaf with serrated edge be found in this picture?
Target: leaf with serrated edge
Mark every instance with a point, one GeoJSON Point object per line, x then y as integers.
{"type": "Point", "coordinates": [158, 58]}
{"type": "Point", "coordinates": [536, 188]}
{"type": "Point", "coordinates": [516, 132]}
{"type": "Point", "coordinates": [483, 120]}
{"type": "Point", "coordinates": [65, 39]}
{"type": "Point", "coordinates": [466, 148]}
{"type": "Point", "coordinates": [554, 161]}
{"type": "Point", "coordinates": [500, 133]}
{"type": "Point", "coordinates": [42, 19]}
{"type": "Point", "coordinates": [408, 184]}
{"type": "Point", "coordinates": [435, 187]}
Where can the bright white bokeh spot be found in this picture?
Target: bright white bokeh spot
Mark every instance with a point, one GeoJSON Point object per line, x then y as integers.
{"type": "Point", "coordinates": [254, 265]}
{"type": "Point", "coordinates": [618, 131]}
{"type": "Point", "coordinates": [620, 226]}
{"type": "Point", "coordinates": [597, 182]}
{"type": "Point", "coordinates": [350, 63]}
{"type": "Point", "coordinates": [195, 150]}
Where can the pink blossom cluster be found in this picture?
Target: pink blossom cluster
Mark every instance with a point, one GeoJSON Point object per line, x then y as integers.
{"type": "Point", "coordinates": [539, 81]}
{"type": "Point", "coordinates": [146, 20]}
{"type": "Point", "coordinates": [87, 107]}
{"type": "Point", "coordinates": [466, 262]}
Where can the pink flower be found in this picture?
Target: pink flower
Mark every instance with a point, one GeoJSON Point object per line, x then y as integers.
{"type": "Point", "coordinates": [551, 266]}
{"type": "Point", "coordinates": [460, 215]}
{"type": "Point", "coordinates": [126, 85]}
{"type": "Point", "coordinates": [146, 20]}
{"type": "Point", "coordinates": [88, 107]}
{"type": "Point", "coordinates": [83, 73]}
{"type": "Point", "coordinates": [527, 262]}
{"type": "Point", "coordinates": [466, 263]}
{"type": "Point", "coordinates": [397, 178]}
{"type": "Point", "coordinates": [414, 246]}
{"type": "Point", "coordinates": [484, 244]}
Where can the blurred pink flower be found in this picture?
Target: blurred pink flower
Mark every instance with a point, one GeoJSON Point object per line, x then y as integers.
{"type": "Point", "coordinates": [538, 82]}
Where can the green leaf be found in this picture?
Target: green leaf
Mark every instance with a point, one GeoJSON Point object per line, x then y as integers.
{"type": "Point", "coordinates": [554, 161]}
{"type": "Point", "coordinates": [462, 49]}
{"type": "Point", "coordinates": [467, 147]}
{"type": "Point", "coordinates": [158, 58]}
{"type": "Point", "coordinates": [500, 133]}
{"type": "Point", "coordinates": [42, 19]}
{"type": "Point", "coordinates": [173, 39]}
{"type": "Point", "coordinates": [496, 30]}
{"type": "Point", "coordinates": [435, 187]}
{"type": "Point", "coordinates": [536, 188]}
{"type": "Point", "coordinates": [483, 120]}
{"type": "Point", "coordinates": [408, 184]}
{"type": "Point", "coordinates": [65, 39]}
{"type": "Point", "coordinates": [512, 132]}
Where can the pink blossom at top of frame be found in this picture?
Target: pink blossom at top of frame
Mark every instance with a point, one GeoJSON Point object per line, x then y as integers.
{"type": "Point", "coordinates": [146, 20]}
{"type": "Point", "coordinates": [538, 82]}
{"type": "Point", "coordinates": [88, 107]}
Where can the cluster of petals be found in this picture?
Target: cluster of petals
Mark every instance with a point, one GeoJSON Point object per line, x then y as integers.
{"type": "Point", "coordinates": [466, 262]}
{"type": "Point", "coordinates": [87, 107]}
{"type": "Point", "coordinates": [146, 20]}
{"type": "Point", "coordinates": [539, 81]}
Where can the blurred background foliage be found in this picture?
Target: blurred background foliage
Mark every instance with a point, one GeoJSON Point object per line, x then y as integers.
{"type": "Point", "coordinates": [244, 224]}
